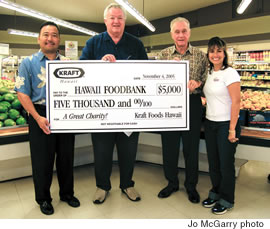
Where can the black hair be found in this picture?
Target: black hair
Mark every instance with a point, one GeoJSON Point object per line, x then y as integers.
{"type": "Point", "coordinates": [218, 42]}
{"type": "Point", "coordinates": [49, 23]}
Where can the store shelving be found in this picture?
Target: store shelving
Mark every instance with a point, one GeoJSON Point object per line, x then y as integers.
{"type": "Point", "coordinates": [254, 70]}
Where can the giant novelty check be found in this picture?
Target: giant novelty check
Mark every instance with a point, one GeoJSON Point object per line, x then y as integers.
{"type": "Point", "coordinates": [124, 96]}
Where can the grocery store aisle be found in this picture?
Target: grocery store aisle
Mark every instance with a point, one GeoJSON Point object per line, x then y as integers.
{"type": "Point", "coordinates": [252, 196]}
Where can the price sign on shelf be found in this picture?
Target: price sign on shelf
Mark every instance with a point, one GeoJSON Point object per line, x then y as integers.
{"type": "Point", "coordinates": [125, 96]}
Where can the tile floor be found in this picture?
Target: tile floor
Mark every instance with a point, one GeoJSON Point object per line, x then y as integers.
{"type": "Point", "coordinates": [252, 197]}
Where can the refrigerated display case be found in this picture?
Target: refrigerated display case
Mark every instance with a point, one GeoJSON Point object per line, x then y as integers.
{"type": "Point", "coordinates": [254, 70]}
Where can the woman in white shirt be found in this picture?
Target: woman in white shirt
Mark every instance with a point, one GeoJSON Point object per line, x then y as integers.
{"type": "Point", "coordinates": [222, 129]}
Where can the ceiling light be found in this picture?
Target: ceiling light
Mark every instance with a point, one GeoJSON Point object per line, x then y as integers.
{"type": "Point", "coordinates": [242, 6]}
{"type": "Point", "coordinates": [33, 13]}
{"type": "Point", "coordinates": [135, 13]}
{"type": "Point", "coordinates": [22, 33]}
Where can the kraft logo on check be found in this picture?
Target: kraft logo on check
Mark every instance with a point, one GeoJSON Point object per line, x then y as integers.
{"type": "Point", "coordinates": [69, 73]}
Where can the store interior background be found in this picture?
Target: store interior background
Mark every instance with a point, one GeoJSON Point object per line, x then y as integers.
{"type": "Point", "coordinates": [250, 31]}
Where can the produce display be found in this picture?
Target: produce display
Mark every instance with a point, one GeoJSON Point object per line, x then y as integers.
{"type": "Point", "coordinates": [7, 83]}
{"type": "Point", "coordinates": [255, 100]}
{"type": "Point", "coordinates": [255, 83]}
{"type": "Point", "coordinates": [11, 112]}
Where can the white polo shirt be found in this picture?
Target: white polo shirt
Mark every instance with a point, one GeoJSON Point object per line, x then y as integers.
{"type": "Point", "coordinates": [217, 95]}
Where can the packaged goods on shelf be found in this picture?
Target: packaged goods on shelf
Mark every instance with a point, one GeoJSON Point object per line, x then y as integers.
{"type": "Point", "coordinates": [255, 83]}
{"type": "Point", "coordinates": [252, 56]}
{"type": "Point", "coordinates": [10, 61]}
{"type": "Point", "coordinates": [8, 75]}
{"type": "Point", "coordinates": [9, 68]}
{"type": "Point", "coordinates": [251, 66]}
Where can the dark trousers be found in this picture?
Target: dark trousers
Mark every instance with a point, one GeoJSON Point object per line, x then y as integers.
{"type": "Point", "coordinates": [44, 149]}
{"type": "Point", "coordinates": [191, 140]}
{"type": "Point", "coordinates": [220, 153]}
{"type": "Point", "coordinates": [103, 144]}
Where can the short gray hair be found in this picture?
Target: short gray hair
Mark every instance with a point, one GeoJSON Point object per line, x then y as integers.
{"type": "Point", "coordinates": [114, 5]}
{"type": "Point", "coordinates": [179, 19]}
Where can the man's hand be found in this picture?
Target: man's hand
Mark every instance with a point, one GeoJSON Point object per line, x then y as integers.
{"type": "Point", "coordinates": [192, 85]}
{"type": "Point", "coordinates": [109, 57]}
{"type": "Point", "coordinates": [43, 124]}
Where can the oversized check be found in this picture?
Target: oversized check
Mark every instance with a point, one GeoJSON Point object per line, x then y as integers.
{"type": "Point", "coordinates": [124, 96]}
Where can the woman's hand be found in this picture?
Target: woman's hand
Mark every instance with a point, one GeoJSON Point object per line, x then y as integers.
{"type": "Point", "coordinates": [232, 137]}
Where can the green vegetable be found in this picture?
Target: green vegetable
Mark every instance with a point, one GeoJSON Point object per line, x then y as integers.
{"type": "Point", "coordinates": [13, 114]}
{"type": "Point", "coordinates": [9, 97]}
{"type": "Point", "coordinates": [3, 116]}
{"type": "Point", "coordinates": [4, 90]}
{"type": "Point", "coordinates": [3, 108]}
{"type": "Point", "coordinates": [1, 124]}
{"type": "Point", "coordinates": [9, 122]}
{"type": "Point", "coordinates": [21, 121]}
{"type": "Point", "coordinates": [16, 104]}
{"type": "Point", "coordinates": [5, 103]}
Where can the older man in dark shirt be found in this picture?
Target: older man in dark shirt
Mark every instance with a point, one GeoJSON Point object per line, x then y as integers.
{"type": "Point", "coordinates": [112, 45]}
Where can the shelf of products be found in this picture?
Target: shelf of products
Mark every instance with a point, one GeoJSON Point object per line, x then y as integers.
{"type": "Point", "coordinates": [254, 70]}
{"type": "Point", "coordinates": [254, 84]}
{"type": "Point", "coordinates": [255, 75]}
{"type": "Point", "coordinates": [252, 56]}
{"type": "Point", "coordinates": [9, 68]}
